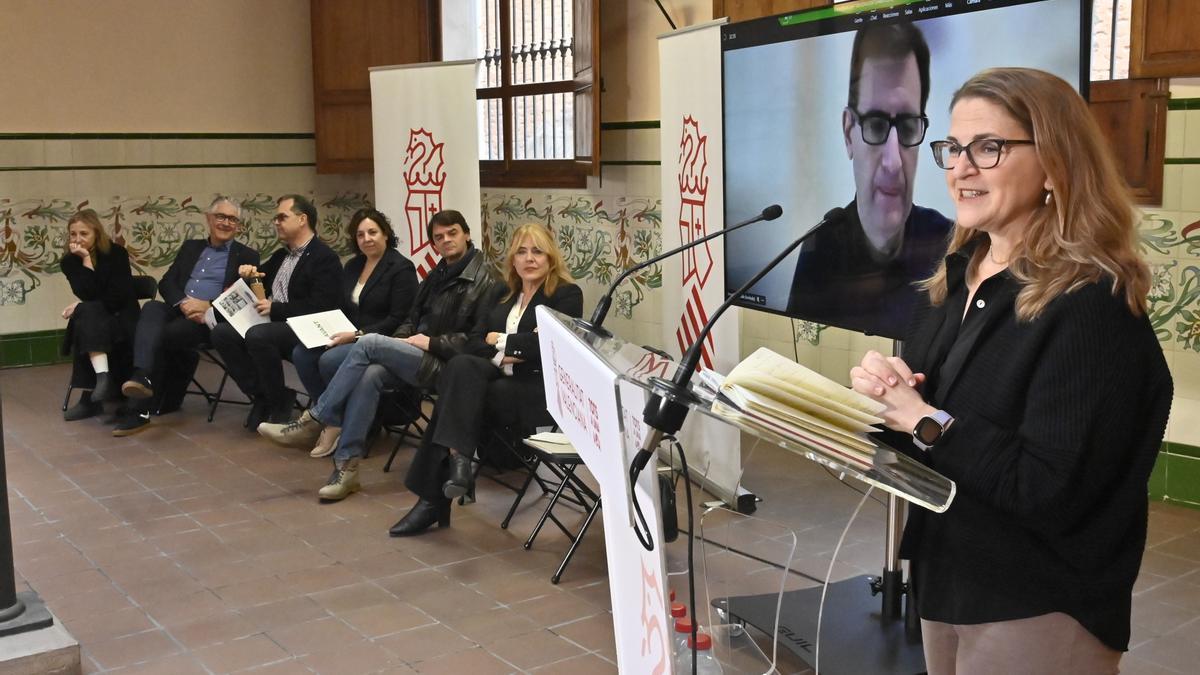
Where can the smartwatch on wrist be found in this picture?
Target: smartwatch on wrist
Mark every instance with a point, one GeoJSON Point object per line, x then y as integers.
{"type": "Point", "coordinates": [930, 428]}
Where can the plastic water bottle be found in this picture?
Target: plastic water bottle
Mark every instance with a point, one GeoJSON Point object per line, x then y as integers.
{"type": "Point", "coordinates": [683, 631]}
{"type": "Point", "coordinates": [706, 662]}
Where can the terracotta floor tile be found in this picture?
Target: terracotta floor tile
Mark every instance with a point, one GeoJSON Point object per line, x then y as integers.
{"type": "Point", "coordinates": [556, 608]}
{"type": "Point", "coordinates": [354, 658]}
{"type": "Point", "coordinates": [311, 637]}
{"type": "Point", "coordinates": [212, 629]}
{"type": "Point", "coordinates": [475, 661]}
{"type": "Point", "coordinates": [109, 625]}
{"type": "Point", "coordinates": [425, 642]}
{"type": "Point", "coordinates": [131, 649]}
{"type": "Point", "coordinates": [384, 565]}
{"type": "Point", "coordinates": [179, 664]}
{"type": "Point", "coordinates": [385, 619]}
{"type": "Point", "coordinates": [283, 613]}
{"type": "Point", "coordinates": [592, 633]}
{"type": "Point", "coordinates": [491, 625]}
{"type": "Point", "coordinates": [227, 657]}
{"type": "Point", "coordinates": [184, 608]}
{"type": "Point", "coordinates": [533, 649]}
{"type": "Point", "coordinates": [587, 664]}
{"type": "Point", "coordinates": [254, 592]}
{"type": "Point", "coordinates": [353, 597]}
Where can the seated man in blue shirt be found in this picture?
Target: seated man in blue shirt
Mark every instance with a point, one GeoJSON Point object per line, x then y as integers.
{"type": "Point", "coordinates": [202, 270]}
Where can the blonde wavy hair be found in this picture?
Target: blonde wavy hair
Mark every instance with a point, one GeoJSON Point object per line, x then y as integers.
{"type": "Point", "coordinates": [90, 218]}
{"type": "Point", "coordinates": [1088, 231]}
{"type": "Point", "coordinates": [542, 239]}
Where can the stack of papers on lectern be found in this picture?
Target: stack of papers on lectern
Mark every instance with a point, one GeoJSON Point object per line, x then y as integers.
{"type": "Point", "coordinates": [770, 392]}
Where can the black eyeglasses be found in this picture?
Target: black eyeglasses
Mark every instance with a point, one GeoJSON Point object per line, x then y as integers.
{"type": "Point", "coordinates": [224, 218]}
{"type": "Point", "coordinates": [984, 153]}
{"type": "Point", "coordinates": [875, 127]}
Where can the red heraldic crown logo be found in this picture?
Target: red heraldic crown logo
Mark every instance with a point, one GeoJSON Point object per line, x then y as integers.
{"type": "Point", "coordinates": [425, 178]}
{"type": "Point", "coordinates": [698, 260]}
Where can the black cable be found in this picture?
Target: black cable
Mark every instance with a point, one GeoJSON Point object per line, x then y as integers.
{"type": "Point", "coordinates": [668, 16]}
{"type": "Point", "coordinates": [691, 553]}
{"type": "Point", "coordinates": [643, 532]}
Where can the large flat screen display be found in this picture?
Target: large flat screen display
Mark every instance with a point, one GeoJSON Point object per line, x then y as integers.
{"type": "Point", "coordinates": [835, 107]}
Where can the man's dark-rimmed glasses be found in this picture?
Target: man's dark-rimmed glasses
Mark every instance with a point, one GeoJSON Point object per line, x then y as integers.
{"type": "Point", "coordinates": [876, 126]}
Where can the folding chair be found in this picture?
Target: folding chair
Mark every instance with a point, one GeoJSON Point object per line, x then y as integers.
{"type": "Point", "coordinates": [401, 412]}
{"type": "Point", "coordinates": [214, 399]}
{"type": "Point", "coordinates": [562, 461]}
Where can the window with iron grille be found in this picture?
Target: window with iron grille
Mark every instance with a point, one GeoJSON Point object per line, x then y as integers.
{"type": "Point", "coordinates": [526, 92]}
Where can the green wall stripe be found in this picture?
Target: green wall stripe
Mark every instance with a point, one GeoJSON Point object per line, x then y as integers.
{"type": "Point", "coordinates": [631, 162]}
{"type": "Point", "coordinates": [1182, 449]}
{"type": "Point", "coordinates": [620, 126]}
{"type": "Point", "coordinates": [113, 167]}
{"type": "Point", "coordinates": [1182, 160]}
{"type": "Point", "coordinates": [1183, 104]}
{"type": "Point", "coordinates": [85, 136]}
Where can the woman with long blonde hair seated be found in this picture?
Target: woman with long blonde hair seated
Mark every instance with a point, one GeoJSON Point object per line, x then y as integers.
{"type": "Point", "coordinates": [500, 378]}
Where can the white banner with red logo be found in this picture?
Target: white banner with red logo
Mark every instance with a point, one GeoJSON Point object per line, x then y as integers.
{"type": "Point", "coordinates": [693, 206]}
{"type": "Point", "coordinates": [426, 149]}
{"type": "Point", "coordinates": [601, 415]}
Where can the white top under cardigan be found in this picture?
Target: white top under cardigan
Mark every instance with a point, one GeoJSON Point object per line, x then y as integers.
{"type": "Point", "coordinates": [510, 326]}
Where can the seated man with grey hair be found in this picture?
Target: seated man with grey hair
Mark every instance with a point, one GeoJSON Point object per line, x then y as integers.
{"type": "Point", "coordinates": [169, 331]}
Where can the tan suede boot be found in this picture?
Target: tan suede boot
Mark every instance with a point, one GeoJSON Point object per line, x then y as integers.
{"type": "Point", "coordinates": [326, 442]}
{"type": "Point", "coordinates": [301, 433]}
{"type": "Point", "coordinates": [342, 482]}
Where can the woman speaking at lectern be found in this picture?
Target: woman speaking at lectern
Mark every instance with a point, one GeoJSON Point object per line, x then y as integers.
{"type": "Point", "coordinates": [1036, 383]}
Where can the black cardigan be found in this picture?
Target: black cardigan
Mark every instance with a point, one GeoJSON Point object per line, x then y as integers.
{"type": "Point", "coordinates": [385, 298]}
{"type": "Point", "coordinates": [313, 286]}
{"type": "Point", "coordinates": [1057, 424]}
{"type": "Point", "coordinates": [567, 298]}
{"type": "Point", "coordinates": [111, 282]}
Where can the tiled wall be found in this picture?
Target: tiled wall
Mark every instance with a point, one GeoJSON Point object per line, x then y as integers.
{"type": "Point", "coordinates": [1172, 237]}
{"type": "Point", "coordinates": [150, 191]}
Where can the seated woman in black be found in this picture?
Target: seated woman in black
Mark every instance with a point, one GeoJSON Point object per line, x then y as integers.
{"type": "Point", "coordinates": [378, 287]}
{"type": "Point", "coordinates": [500, 377]}
{"type": "Point", "coordinates": [105, 315]}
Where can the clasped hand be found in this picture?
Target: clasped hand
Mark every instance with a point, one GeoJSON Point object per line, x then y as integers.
{"type": "Point", "coordinates": [889, 380]}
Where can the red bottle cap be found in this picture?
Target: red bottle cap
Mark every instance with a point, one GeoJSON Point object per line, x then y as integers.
{"type": "Point", "coordinates": [672, 595]}
{"type": "Point", "coordinates": [678, 609]}
{"type": "Point", "coordinates": [703, 641]}
{"type": "Point", "coordinates": [683, 625]}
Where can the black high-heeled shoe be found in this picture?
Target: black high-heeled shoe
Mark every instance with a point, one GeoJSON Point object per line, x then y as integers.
{"type": "Point", "coordinates": [422, 516]}
{"type": "Point", "coordinates": [462, 477]}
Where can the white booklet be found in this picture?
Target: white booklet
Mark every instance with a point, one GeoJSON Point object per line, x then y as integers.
{"type": "Point", "coordinates": [237, 306]}
{"type": "Point", "coordinates": [314, 330]}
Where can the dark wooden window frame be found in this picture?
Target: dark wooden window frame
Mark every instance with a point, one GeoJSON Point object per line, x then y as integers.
{"type": "Point", "coordinates": [548, 173]}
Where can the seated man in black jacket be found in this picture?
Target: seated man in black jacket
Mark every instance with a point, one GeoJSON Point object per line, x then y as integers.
{"type": "Point", "coordinates": [168, 331]}
{"type": "Point", "coordinates": [300, 278]}
{"type": "Point", "coordinates": [449, 302]}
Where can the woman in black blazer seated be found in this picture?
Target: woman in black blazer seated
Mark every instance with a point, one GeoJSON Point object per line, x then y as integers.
{"type": "Point", "coordinates": [105, 315]}
{"type": "Point", "coordinates": [1036, 383]}
{"type": "Point", "coordinates": [500, 377]}
{"type": "Point", "coordinates": [378, 287]}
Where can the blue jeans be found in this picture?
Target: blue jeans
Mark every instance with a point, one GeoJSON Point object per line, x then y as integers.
{"type": "Point", "coordinates": [317, 366]}
{"type": "Point", "coordinates": [350, 399]}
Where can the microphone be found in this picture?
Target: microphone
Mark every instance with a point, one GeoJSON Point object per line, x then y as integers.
{"type": "Point", "coordinates": [597, 322]}
{"type": "Point", "coordinates": [664, 413]}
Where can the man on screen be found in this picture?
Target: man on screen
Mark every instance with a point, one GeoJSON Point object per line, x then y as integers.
{"type": "Point", "coordinates": [858, 273]}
